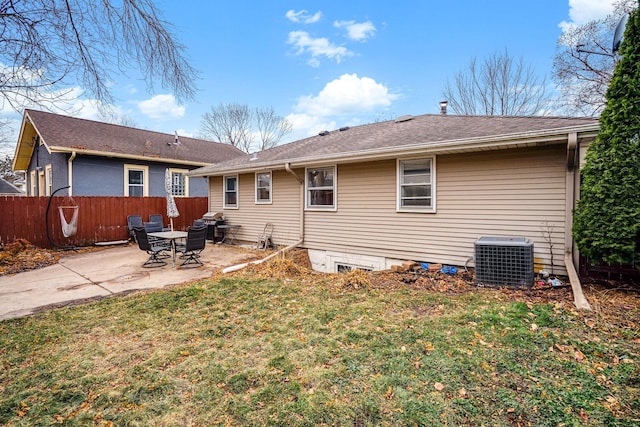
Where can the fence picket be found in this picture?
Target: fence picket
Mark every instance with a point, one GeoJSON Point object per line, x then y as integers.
{"type": "Point", "coordinates": [100, 219]}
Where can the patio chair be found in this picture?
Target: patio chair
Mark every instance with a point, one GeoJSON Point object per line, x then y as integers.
{"type": "Point", "coordinates": [153, 227]}
{"type": "Point", "coordinates": [132, 222]}
{"type": "Point", "coordinates": [264, 240]}
{"type": "Point", "coordinates": [156, 252]}
{"type": "Point", "coordinates": [158, 218]}
{"type": "Point", "coordinates": [193, 246]}
{"type": "Point", "coordinates": [198, 222]}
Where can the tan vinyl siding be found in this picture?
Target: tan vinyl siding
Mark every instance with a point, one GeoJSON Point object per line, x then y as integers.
{"type": "Point", "coordinates": [506, 193]}
{"type": "Point", "coordinates": [283, 212]}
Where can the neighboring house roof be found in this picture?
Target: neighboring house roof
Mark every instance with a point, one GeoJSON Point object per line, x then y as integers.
{"type": "Point", "coordinates": [408, 134]}
{"type": "Point", "coordinates": [8, 188]}
{"type": "Point", "coordinates": [70, 134]}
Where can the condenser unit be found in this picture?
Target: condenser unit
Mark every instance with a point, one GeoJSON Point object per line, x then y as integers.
{"type": "Point", "coordinates": [504, 261]}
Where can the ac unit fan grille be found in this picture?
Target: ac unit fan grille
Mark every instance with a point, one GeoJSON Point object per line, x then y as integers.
{"type": "Point", "coordinates": [504, 261]}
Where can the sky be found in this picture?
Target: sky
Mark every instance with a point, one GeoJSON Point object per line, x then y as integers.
{"type": "Point", "coordinates": [328, 64]}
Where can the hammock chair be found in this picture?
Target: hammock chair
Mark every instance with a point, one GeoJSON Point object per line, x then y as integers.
{"type": "Point", "coordinates": [69, 228]}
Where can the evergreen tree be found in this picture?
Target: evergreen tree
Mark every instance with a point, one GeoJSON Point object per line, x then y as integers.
{"type": "Point", "coordinates": [607, 220]}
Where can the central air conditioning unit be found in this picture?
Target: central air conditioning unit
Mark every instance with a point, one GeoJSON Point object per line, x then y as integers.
{"type": "Point", "coordinates": [504, 261]}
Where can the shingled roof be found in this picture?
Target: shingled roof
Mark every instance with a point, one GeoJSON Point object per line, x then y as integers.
{"type": "Point", "coordinates": [410, 134]}
{"type": "Point", "coordinates": [70, 134]}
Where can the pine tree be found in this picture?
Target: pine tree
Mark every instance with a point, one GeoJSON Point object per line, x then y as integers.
{"type": "Point", "coordinates": [607, 219]}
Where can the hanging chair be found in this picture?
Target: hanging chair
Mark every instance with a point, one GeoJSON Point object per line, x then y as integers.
{"type": "Point", "coordinates": [69, 228]}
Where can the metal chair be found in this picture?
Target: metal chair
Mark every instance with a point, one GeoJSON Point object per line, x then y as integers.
{"type": "Point", "coordinates": [132, 222]}
{"type": "Point", "coordinates": [156, 252]}
{"type": "Point", "coordinates": [159, 219]}
{"type": "Point", "coordinates": [194, 245]}
{"type": "Point", "coordinates": [154, 227]}
{"type": "Point", "coordinates": [264, 240]}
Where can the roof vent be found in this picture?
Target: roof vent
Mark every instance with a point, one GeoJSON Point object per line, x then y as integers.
{"type": "Point", "coordinates": [342, 129]}
{"type": "Point", "coordinates": [404, 118]}
{"type": "Point", "coordinates": [324, 133]}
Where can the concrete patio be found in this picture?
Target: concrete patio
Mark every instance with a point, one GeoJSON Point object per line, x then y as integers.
{"type": "Point", "coordinates": [78, 278]}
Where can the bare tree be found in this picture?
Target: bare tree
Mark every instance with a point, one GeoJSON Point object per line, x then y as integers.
{"type": "Point", "coordinates": [499, 85]}
{"type": "Point", "coordinates": [584, 62]}
{"type": "Point", "coordinates": [46, 46]}
{"type": "Point", "coordinates": [247, 130]}
{"type": "Point", "coordinates": [228, 123]}
{"type": "Point", "coordinates": [271, 127]}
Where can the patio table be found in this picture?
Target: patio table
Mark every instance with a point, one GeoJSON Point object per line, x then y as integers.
{"type": "Point", "coordinates": [172, 236]}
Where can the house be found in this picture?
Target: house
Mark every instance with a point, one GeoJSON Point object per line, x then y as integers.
{"type": "Point", "coordinates": [9, 189]}
{"type": "Point", "coordinates": [103, 159]}
{"type": "Point", "coordinates": [422, 188]}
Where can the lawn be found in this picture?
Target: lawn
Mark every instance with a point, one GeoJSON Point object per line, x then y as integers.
{"type": "Point", "coordinates": [306, 350]}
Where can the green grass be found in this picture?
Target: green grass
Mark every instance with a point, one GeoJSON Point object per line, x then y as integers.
{"type": "Point", "coordinates": [248, 351]}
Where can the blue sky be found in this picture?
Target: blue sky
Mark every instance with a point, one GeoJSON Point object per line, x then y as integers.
{"type": "Point", "coordinates": [328, 64]}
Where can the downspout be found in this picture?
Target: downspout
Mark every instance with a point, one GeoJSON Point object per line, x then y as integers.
{"type": "Point", "coordinates": [579, 300]}
{"type": "Point", "coordinates": [70, 172]}
{"type": "Point", "coordinates": [237, 267]}
{"type": "Point", "coordinates": [287, 167]}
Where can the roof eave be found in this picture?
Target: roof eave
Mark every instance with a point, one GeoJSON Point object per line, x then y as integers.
{"type": "Point", "coordinates": [59, 149]}
{"type": "Point", "coordinates": [521, 140]}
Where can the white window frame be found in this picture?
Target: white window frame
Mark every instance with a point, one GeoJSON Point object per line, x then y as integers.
{"type": "Point", "coordinates": [308, 188]}
{"type": "Point", "coordinates": [183, 172]}
{"type": "Point", "coordinates": [32, 182]}
{"type": "Point", "coordinates": [48, 179]}
{"type": "Point", "coordinates": [145, 179]}
{"type": "Point", "coordinates": [269, 188]}
{"type": "Point", "coordinates": [400, 184]}
{"type": "Point", "coordinates": [225, 205]}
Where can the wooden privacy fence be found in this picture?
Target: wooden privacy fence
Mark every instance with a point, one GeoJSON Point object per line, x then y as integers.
{"type": "Point", "coordinates": [100, 219]}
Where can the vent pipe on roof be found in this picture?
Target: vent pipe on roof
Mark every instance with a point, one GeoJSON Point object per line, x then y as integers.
{"type": "Point", "coordinates": [443, 107]}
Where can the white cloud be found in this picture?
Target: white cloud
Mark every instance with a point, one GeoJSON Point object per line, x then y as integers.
{"type": "Point", "coordinates": [316, 47]}
{"type": "Point", "coordinates": [161, 107]}
{"type": "Point", "coordinates": [302, 16]}
{"type": "Point", "coordinates": [583, 11]}
{"type": "Point", "coordinates": [359, 31]}
{"type": "Point", "coordinates": [349, 94]}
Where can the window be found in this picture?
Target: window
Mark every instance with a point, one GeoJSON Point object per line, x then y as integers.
{"type": "Point", "coordinates": [179, 182]}
{"type": "Point", "coordinates": [32, 182]}
{"type": "Point", "coordinates": [48, 179]}
{"type": "Point", "coordinates": [135, 181]}
{"type": "Point", "coordinates": [321, 188]}
{"type": "Point", "coordinates": [347, 268]}
{"type": "Point", "coordinates": [416, 188]}
{"type": "Point", "coordinates": [231, 191]}
{"type": "Point", "coordinates": [263, 187]}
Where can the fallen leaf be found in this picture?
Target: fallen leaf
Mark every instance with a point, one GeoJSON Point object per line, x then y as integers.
{"type": "Point", "coordinates": [578, 355]}
{"type": "Point", "coordinates": [389, 393]}
{"type": "Point", "coordinates": [462, 392]}
{"type": "Point", "coordinates": [438, 386]}
{"type": "Point", "coordinates": [534, 327]}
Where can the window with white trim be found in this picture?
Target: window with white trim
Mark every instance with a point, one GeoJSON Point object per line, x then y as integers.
{"type": "Point", "coordinates": [48, 179]}
{"type": "Point", "coordinates": [231, 191]}
{"type": "Point", "coordinates": [416, 185]}
{"type": "Point", "coordinates": [179, 182]}
{"type": "Point", "coordinates": [32, 182]}
{"type": "Point", "coordinates": [321, 188]}
{"type": "Point", "coordinates": [136, 181]}
{"type": "Point", "coordinates": [263, 187]}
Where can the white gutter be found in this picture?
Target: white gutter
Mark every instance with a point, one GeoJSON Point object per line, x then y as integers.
{"type": "Point", "coordinates": [241, 266]}
{"type": "Point", "coordinates": [70, 172]}
{"type": "Point", "coordinates": [579, 300]}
